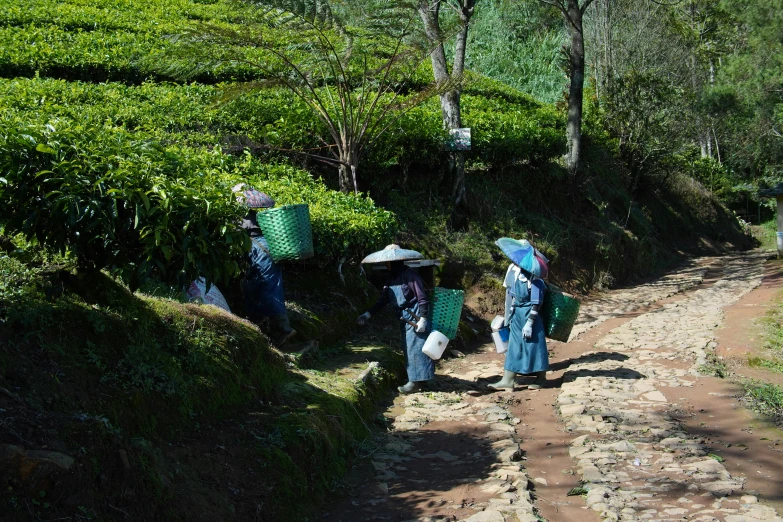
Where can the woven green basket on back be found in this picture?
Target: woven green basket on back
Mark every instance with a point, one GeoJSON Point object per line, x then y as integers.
{"type": "Point", "coordinates": [288, 231]}
{"type": "Point", "coordinates": [445, 310]}
{"type": "Point", "coordinates": [559, 314]}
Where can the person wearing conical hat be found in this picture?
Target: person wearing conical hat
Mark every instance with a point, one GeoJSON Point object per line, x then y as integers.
{"type": "Point", "coordinates": [404, 290]}
{"type": "Point", "coordinates": [262, 285]}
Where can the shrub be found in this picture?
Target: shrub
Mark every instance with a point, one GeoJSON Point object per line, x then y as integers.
{"type": "Point", "coordinates": [134, 206]}
{"type": "Point", "coordinates": [121, 204]}
{"type": "Point", "coordinates": [344, 225]}
{"type": "Point", "coordinates": [16, 278]}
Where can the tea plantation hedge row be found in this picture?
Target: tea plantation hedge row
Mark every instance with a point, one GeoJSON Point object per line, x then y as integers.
{"type": "Point", "coordinates": [139, 162]}
{"type": "Point", "coordinates": [129, 43]}
{"type": "Point", "coordinates": [151, 16]}
{"type": "Point", "coordinates": [507, 126]}
{"type": "Point", "coordinates": [134, 206]}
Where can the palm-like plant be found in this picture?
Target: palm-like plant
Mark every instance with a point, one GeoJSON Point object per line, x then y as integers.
{"type": "Point", "coordinates": [355, 80]}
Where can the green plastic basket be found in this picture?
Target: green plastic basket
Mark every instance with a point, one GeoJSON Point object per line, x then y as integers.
{"type": "Point", "coordinates": [288, 231]}
{"type": "Point", "coordinates": [446, 308]}
{"type": "Point", "coordinates": [559, 314]}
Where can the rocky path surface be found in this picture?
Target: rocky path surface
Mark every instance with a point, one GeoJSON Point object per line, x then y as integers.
{"type": "Point", "coordinates": [633, 457]}
{"type": "Point", "coordinates": [457, 451]}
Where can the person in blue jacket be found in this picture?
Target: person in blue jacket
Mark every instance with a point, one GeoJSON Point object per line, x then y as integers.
{"type": "Point", "coordinates": [262, 285]}
{"type": "Point", "coordinates": [527, 353]}
{"type": "Point", "coordinates": [405, 290]}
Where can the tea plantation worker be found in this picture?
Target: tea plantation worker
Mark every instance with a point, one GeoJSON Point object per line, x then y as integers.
{"type": "Point", "coordinates": [404, 289]}
{"type": "Point", "coordinates": [527, 352]}
{"type": "Point", "coordinates": [262, 285]}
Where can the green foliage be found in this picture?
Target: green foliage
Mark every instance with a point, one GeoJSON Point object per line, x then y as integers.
{"type": "Point", "coordinates": [154, 16]}
{"type": "Point", "coordinates": [715, 176]}
{"type": "Point", "coordinates": [519, 43]}
{"type": "Point", "coordinates": [158, 365]}
{"type": "Point", "coordinates": [772, 322]}
{"type": "Point", "coordinates": [106, 41]}
{"type": "Point", "coordinates": [640, 116]}
{"type": "Point", "coordinates": [51, 51]}
{"type": "Point", "coordinates": [184, 114]}
{"type": "Point", "coordinates": [16, 278]}
{"type": "Point", "coordinates": [766, 234]}
{"type": "Point", "coordinates": [509, 126]}
{"type": "Point", "coordinates": [507, 133]}
{"type": "Point", "coordinates": [355, 81]}
{"type": "Point", "coordinates": [121, 204]}
{"type": "Point", "coordinates": [344, 225]}
{"type": "Point", "coordinates": [157, 378]}
{"type": "Point", "coordinates": [134, 206]}
{"type": "Point", "coordinates": [775, 365]}
{"type": "Point", "coordinates": [765, 398]}
{"type": "Point", "coordinates": [750, 77]}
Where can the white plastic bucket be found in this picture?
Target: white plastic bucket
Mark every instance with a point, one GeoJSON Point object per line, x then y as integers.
{"type": "Point", "coordinates": [500, 334]}
{"type": "Point", "coordinates": [497, 323]}
{"type": "Point", "coordinates": [501, 340]}
{"type": "Point", "coordinates": [435, 345]}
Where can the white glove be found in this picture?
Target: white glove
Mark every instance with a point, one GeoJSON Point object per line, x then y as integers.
{"type": "Point", "coordinates": [422, 326]}
{"type": "Point", "coordinates": [527, 331]}
{"type": "Point", "coordinates": [362, 319]}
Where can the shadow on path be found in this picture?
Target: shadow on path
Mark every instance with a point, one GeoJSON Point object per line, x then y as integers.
{"type": "Point", "coordinates": [439, 475]}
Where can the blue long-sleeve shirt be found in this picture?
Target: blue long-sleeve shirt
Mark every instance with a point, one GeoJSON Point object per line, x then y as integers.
{"type": "Point", "coordinates": [412, 289]}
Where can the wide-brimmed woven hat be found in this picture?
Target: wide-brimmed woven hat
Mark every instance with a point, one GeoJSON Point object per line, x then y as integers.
{"type": "Point", "coordinates": [392, 253]}
{"type": "Point", "coordinates": [253, 198]}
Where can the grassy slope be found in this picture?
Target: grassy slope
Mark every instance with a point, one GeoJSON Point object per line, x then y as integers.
{"type": "Point", "coordinates": [598, 236]}
{"type": "Point", "coordinates": [182, 390]}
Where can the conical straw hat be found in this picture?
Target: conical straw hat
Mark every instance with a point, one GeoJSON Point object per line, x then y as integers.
{"type": "Point", "coordinates": [392, 253]}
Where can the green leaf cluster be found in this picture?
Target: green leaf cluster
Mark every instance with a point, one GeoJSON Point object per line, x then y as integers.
{"type": "Point", "coordinates": [344, 224]}
{"type": "Point", "coordinates": [134, 206]}
{"type": "Point", "coordinates": [121, 204]}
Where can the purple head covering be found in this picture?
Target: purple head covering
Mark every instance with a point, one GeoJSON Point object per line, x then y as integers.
{"type": "Point", "coordinates": [253, 198]}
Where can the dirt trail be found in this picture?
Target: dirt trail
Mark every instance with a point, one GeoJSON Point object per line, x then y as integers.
{"type": "Point", "coordinates": [621, 417]}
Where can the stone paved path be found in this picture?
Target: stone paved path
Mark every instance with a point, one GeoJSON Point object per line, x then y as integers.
{"type": "Point", "coordinates": [632, 456]}
{"type": "Point", "coordinates": [456, 453]}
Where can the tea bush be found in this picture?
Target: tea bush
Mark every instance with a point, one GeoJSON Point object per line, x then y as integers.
{"type": "Point", "coordinates": [172, 113]}
{"type": "Point", "coordinates": [134, 206]}
{"type": "Point", "coordinates": [508, 126]}
{"type": "Point", "coordinates": [121, 204]}
{"type": "Point", "coordinates": [100, 55]}
{"type": "Point", "coordinates": [506, 132]}
{"type": "Point", "coordinates": [344, 225]}
{"type": "Point", "coordinates": [155, 16]}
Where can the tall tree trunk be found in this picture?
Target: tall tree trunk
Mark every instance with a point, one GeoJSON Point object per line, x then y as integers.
{"type": "Point", "coordinates": [347, 170]}
{"type": "Point", "coordinates": [576, 89]}
{"type": "Point", "coordinates": [459, 192]}
{"type": "Point", "coordinates": [429, 12]}
{"type": "Point", "coordinates": [346, 183]}
{"type": "Point", "coordinates": [608, 57]}
{"type": "Point", "coordinates": [603, 45]}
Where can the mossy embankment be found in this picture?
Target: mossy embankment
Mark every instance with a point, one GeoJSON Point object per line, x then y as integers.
{"type": "Point", "coordinates": [120, 405]}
